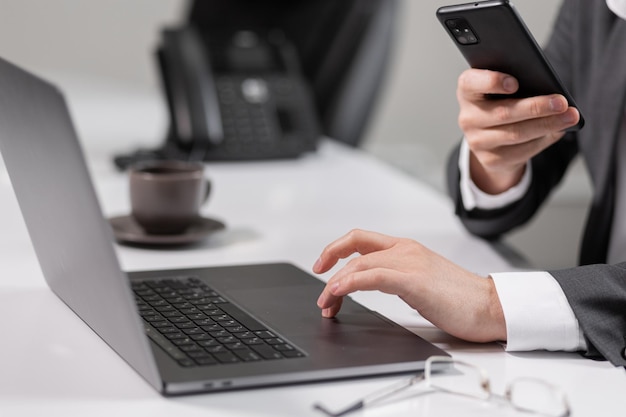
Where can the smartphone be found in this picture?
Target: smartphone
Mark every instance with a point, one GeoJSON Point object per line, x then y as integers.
{"type": "Point", "coordinates": [492, 35]}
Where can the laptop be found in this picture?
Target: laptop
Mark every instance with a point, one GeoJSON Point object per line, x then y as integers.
{"type": "Point", "coordinates": [185, 330]}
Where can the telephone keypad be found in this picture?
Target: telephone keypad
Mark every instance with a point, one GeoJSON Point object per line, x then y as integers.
{"type": "Point", "coordinates": [254, 126]}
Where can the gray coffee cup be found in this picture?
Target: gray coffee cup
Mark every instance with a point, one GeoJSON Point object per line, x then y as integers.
{"type": "Point", "coordinates": [166, 196]}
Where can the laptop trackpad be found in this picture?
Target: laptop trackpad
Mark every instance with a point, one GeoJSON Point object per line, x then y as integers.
{"type": "Point", "coordinates": [294, 309]}
{"type": "Point", "coordinates": [357, 336]}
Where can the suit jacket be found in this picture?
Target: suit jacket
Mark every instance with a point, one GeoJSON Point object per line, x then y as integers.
{"type": "Point", "coordinates": [588, 50]}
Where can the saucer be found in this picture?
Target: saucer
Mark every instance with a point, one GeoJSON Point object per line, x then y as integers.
{"type": "Point", "coordinates": [126, 230]}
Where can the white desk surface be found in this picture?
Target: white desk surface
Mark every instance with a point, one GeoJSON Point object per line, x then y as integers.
{"type": "Point", "coordinates": [52, 364]}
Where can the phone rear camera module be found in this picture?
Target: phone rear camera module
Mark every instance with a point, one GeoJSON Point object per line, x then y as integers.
{"type": "Point", "coordinates": [461, 31]}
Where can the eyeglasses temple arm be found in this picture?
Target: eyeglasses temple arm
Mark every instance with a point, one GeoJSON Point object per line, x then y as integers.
{"type": "Point", "coordinates": [354, 407]}
{"type": "Point", "coordinates": [372, 398]}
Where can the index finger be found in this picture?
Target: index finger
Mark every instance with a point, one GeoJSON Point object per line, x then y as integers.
{"type": "Point", "coordinates": [356, 241]}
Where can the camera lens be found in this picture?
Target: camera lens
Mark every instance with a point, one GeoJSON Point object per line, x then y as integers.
{"type": "Point", "coordinates": [462, 31]}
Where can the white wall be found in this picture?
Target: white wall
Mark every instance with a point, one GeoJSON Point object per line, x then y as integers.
{"type": "Point", "coordinates": [96, 52]}
{"type": "Point", "coordinates": [109, 39]}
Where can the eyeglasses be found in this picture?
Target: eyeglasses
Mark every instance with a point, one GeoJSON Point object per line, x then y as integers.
{"type": "Point", "coordinates": [451, 376]}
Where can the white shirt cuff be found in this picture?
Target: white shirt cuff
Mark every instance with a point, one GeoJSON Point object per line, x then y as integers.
{"type": "Point", "coordinates": [473, 197]}
{"type": "Point", "coordinates": [537, 314]}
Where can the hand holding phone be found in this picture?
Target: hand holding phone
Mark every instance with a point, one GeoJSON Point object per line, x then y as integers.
{"type": "Point", "coordinates": [492, 35]}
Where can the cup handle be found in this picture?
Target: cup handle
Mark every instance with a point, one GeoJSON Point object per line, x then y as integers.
{"type": "Point", "coordinates": [207, 191]}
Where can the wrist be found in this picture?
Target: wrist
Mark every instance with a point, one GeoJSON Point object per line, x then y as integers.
{"type": "Point", "coordinates": [495, 313]}
{"type": "Point", "coordinates": [494, 181]}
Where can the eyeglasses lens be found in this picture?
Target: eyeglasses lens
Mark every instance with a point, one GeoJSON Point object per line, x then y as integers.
{"type": "Point", "coordinates": [462, 379]}
{"type": "Point", "coordinates": [537, 396]}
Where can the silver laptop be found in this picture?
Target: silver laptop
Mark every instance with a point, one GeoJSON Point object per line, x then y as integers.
{"type": "Point", "coordinates": [184, 331]}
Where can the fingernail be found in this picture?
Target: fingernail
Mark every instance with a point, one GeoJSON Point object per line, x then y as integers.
{"type": "Point", "coordinates": [557, 105]}
{"type": "Point", "coordinates": [509, 84]}
{"type": "Point", "coordinates": [321, 300]}
{"type": "Point", "coordinates": [326, 313]}
{"type": "Point", "coordinates": [568, 118]}
{"type": "Point", "coordinates": [317, 264]}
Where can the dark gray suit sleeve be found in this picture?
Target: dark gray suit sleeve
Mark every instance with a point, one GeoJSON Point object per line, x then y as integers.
{"type": "Point", "coordinates": [597, 294]}
{"type": "Point", "coordinates": [548, 169]}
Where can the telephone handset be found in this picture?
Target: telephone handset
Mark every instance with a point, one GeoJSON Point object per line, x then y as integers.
{"type": "Point", "coordinates": [236, 95]}
{"type": "Point", "coordinates": [190, 88]}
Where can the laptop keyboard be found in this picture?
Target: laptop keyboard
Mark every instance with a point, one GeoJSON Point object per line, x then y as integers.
{"type": "Point", "coordinates": [198, 327]}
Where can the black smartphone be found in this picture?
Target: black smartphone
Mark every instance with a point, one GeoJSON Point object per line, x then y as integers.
{"type": "Point", "coordinates": [492, 35]}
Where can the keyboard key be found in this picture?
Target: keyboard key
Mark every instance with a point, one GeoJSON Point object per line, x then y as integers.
{"type": "Point", "coordinates": [236, 346]}
{"type": "Point", "coordinates": [177, 335]}
{"type": "Point", "coordinates": [247, 355]}
{"type": "Point", "coordinates": [189, 311]}
{"type": "Point", "coordinates": [186, 362]}
{"type": "Point", "coordinates": [204, 322]}
{"type": "Point", "coordinates": [253, 341]}
{"type": "Point", "coordinates": [283, 348]}
{"type": "Point", "coordinates": [199, 354]}
{"type": "Point", "coordinates": [205, 361]}
{"type": "Point", "coordinates": [265, 334]}
{"type": "Point", "coordinates": [209, 310]}
{"type": "Point", "coordinates": [293, 354]}
{"type": "Point", "coordinates": [236, 329]}
{"type": "Point", "coordinates": [215, 349]}
{"type": "Point", "coordinates": [209, 343]}
{"type": "Point", "coordinates": [226, 357]}
{"type": "Point", "coordinates": [160, 323]}
{"type": "Point", "coordinates": [178, 319]}
{"type": "Point", "coordinates": [200, 336]}
{"type": "Point", "coordinates": [244, 335]}
{"type": "Point", "coordinates": [167, 309]}
{"type": "Point", "coordinates": [266, 351]}
{"type": "Point", "coordinates": [152, 317]}
{"type": "Point", "coordinates": [181, 341]}
{"type": "Point", "coordinates": [214, 327]}
{"type": "Point", "coordinates": [191, 348]}
{"type": "Point", "coordinates": [192, 330]}
{"type": "Point", "coordinates": [169, 330]}
{"type": "Point", "coordinates": [172, 314]}
{"type": "Point", "coordinates": [219, 333]}
{"type": "Point", "coordinates": [220, 317]}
